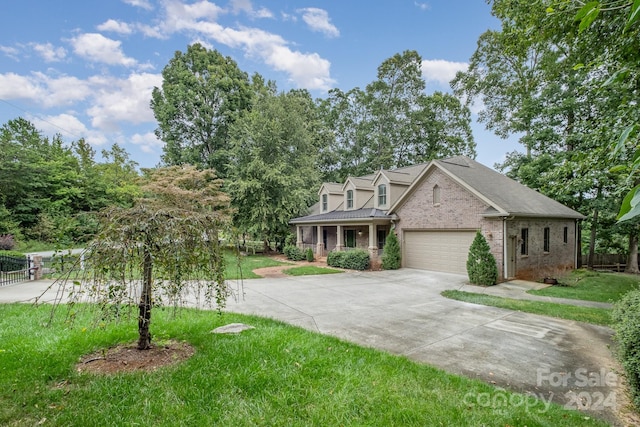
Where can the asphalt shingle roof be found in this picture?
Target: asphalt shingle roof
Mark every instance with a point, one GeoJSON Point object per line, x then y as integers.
{"type": "Point", "coordinates": [365, 213]}
{"type": "Point", "coordinates": [505, 194]}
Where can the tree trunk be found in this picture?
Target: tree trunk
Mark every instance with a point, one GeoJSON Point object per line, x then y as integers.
{"type": "Point", "coordinates": [144, 318]}
{"type": "Point", "coordinates": [592, 238]}
{"type": "Point", "coordinates": [632, 258]}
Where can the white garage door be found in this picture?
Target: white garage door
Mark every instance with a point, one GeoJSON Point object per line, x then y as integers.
{"type": "Point", "coordinates": [438, 250]}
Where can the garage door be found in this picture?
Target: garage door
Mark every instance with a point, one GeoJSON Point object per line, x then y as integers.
{"type": "Point", "coordinates": [438, 250]}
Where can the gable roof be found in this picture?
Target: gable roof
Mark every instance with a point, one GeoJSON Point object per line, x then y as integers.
{"type": "Point", "coordinates": [359, 182]}
{"type": "Point", "coordinates": [401, 176]}
{"type": "Point", "coordinates": [505, 196]}
{"type": "Point", "coordinates": [332, 188]}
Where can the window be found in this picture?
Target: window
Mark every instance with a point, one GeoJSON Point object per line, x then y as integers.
{"type": "Point", "coordinates": [524, 245]}
{"type": "Point", "coordinates": [382, 195]}
{"type": "Point", "coordinates": [349, 199]}
{"type": "Point", "coordinates": [324, 203]}
{"type": "Point", "coordinates": [436, 195]}
{"type": "Point", "coordinates": [547, 239]}
{"type": "Point", "coordinates": [565, 235]}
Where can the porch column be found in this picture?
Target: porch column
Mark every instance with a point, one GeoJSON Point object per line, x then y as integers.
{"type": "Point", "coordinates": [339, 237]}
{"type": "Point", "coordinates": [320, 244]}
{"type": "Point", "coordinates": [373, 248]}
{"type": "Point", "coordinates": [298, 236]}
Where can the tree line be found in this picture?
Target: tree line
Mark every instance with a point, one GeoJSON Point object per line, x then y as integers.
{"type": "Point", "coordinates": [562, 76]}
{"type": "Point", "coordinates": [271, 148]}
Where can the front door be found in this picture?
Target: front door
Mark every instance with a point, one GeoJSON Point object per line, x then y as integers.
{"type": "Point", "coordinates": [382, 238]}
{"type": "Point", "coordinates": [350, 238]}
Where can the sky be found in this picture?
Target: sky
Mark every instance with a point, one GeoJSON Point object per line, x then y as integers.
{"type": "Point", "coordinates": [86, 68]}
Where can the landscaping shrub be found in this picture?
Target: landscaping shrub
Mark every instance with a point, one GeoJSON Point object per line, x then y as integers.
{"type": "Point", "coordinates": [310, 255]}
{"type": "Point", "coordinates": [7, 242]}
{"type": "Point", "coordinates": [335, 258]}
{"type": "Point", "coordinates": [294, 253]}
{"type": "Point", "coordinates": [356, 259]}
{"type": "Point", "coordinates": [481, 264]}
{"type": "Point", "coordinates": [391, 258]}
{"type": "Point", "coordinates": [626, 322]}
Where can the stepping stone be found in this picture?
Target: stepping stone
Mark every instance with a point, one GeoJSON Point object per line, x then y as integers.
{"type": "Point", "coordinates": [232, 328]}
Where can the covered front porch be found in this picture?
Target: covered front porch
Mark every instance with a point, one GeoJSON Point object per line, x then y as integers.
{"type": "Point", "coordinates": [323, 239]}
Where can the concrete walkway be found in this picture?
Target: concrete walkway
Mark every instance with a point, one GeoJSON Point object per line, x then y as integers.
{"type": "Point", "coordinates": [517, 289]}
{"type": "Point", "coordinates": [402, 312]}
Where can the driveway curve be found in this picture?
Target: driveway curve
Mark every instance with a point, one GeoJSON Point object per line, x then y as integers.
{"type": "Point", "coordinates": [402, 312]}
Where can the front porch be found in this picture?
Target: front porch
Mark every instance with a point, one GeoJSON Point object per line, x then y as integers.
{"type": "Point", "coordinates": [323, 239]}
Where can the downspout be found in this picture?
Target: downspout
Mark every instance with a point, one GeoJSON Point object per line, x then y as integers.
{"type": "Point", "coordinates": [576, 241]}
{"type": "Point", "coordinates": [505, 253]}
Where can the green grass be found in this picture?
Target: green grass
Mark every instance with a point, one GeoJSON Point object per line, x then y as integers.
{"type": "Point", "coordinates": [592, 286]}
{"type": "Point", "coordinates": [310, 270]}
{"type": "Point", "coordinates": [275, 375]}
{"type": "Point", "coordinates": [598, 316]}
{"type": "Point", "coordinates": [248, 263]}
{"type": "Point", "coordinates": [233, 271]}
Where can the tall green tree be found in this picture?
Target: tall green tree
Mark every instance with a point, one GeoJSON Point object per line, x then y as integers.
{"type": "Point", "coordinates": [392, 123]}
{"type": "Point", "coordinates": [274, 173]}
{"type": "Point", "coordinates": [202, 94]}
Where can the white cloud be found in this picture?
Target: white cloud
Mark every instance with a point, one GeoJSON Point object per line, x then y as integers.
{"type": "Point", "coordinates": [441, 71]}
{"type": "Point", "coordinates": [70, 126]}
{"type": "Point", "coordinates": [115, 26]}
{"type": "Point", "coordinates": [318, 20]}
{"type": "Point", "coordinates": [148, 142]}
{"type": "Point", "coordinates": [122, 100]}
{"type": "Point", "coordinates": [246, 6]}
{"type": "Point", "coordinates": [44, 90]}
{"type": "Point", "coordinates": [49, 52]}
{"type": "Point", "coordinates": [144, 4]}
{"type": "Point", "coordinates": [307, 70]}
{"type": "Point", "coordinates": [180, 16]}
{"type": "Point", "coordinates": [11, 52]}
{"type": "Point", "coordinates": [422, 6]}
{"type": "Point", "coordinates": [98, 48]}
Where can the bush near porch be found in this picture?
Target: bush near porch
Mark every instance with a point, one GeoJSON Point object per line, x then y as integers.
{"type": "Point", "coordinates": [356, 259]}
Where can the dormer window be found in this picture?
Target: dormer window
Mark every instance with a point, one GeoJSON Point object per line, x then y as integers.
{"type": "Point", "coordinates": [436, 195]}
{"type": "Point", "coordinates": [382, 195]}
{"type": "Point", "coordinates": [324, 203]}
{"type": "Point", "coordinates": [349, 199]}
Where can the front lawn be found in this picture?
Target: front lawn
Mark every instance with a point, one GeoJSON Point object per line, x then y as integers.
{"type": "Point", "coordinates": [598, 316]}
{"type": "Point", "coordinates": [592, 286]}
{"type": "Point", "coordinates": [236, 266]}
{"type": "Point", "coordinates": [275, 375]}
{"type": "Point", "coordinates": [248, 263]}
{"type": "Point", "coordinates": [310, 270]}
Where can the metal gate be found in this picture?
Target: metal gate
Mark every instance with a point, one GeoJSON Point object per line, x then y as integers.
{"type": "Point", "coordinates": [13, 269]}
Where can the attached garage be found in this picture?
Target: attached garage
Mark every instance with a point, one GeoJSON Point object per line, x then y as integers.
{"type": "Point", "coordinates": [445, 251]}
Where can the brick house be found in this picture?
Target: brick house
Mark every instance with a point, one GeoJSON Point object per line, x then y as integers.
{"type": "Point", "coordinates": [435, 209]}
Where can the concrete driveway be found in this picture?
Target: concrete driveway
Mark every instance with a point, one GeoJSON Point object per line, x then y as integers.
{"type": "Point", "coordinates": [402, 312]}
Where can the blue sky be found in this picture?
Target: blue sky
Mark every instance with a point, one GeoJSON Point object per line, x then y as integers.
{"type": "Point", "coordinates": [86, 68]}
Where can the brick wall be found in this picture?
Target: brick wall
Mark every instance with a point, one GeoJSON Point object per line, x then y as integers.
{"type": "Point", "coordinates": [538, 263]}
